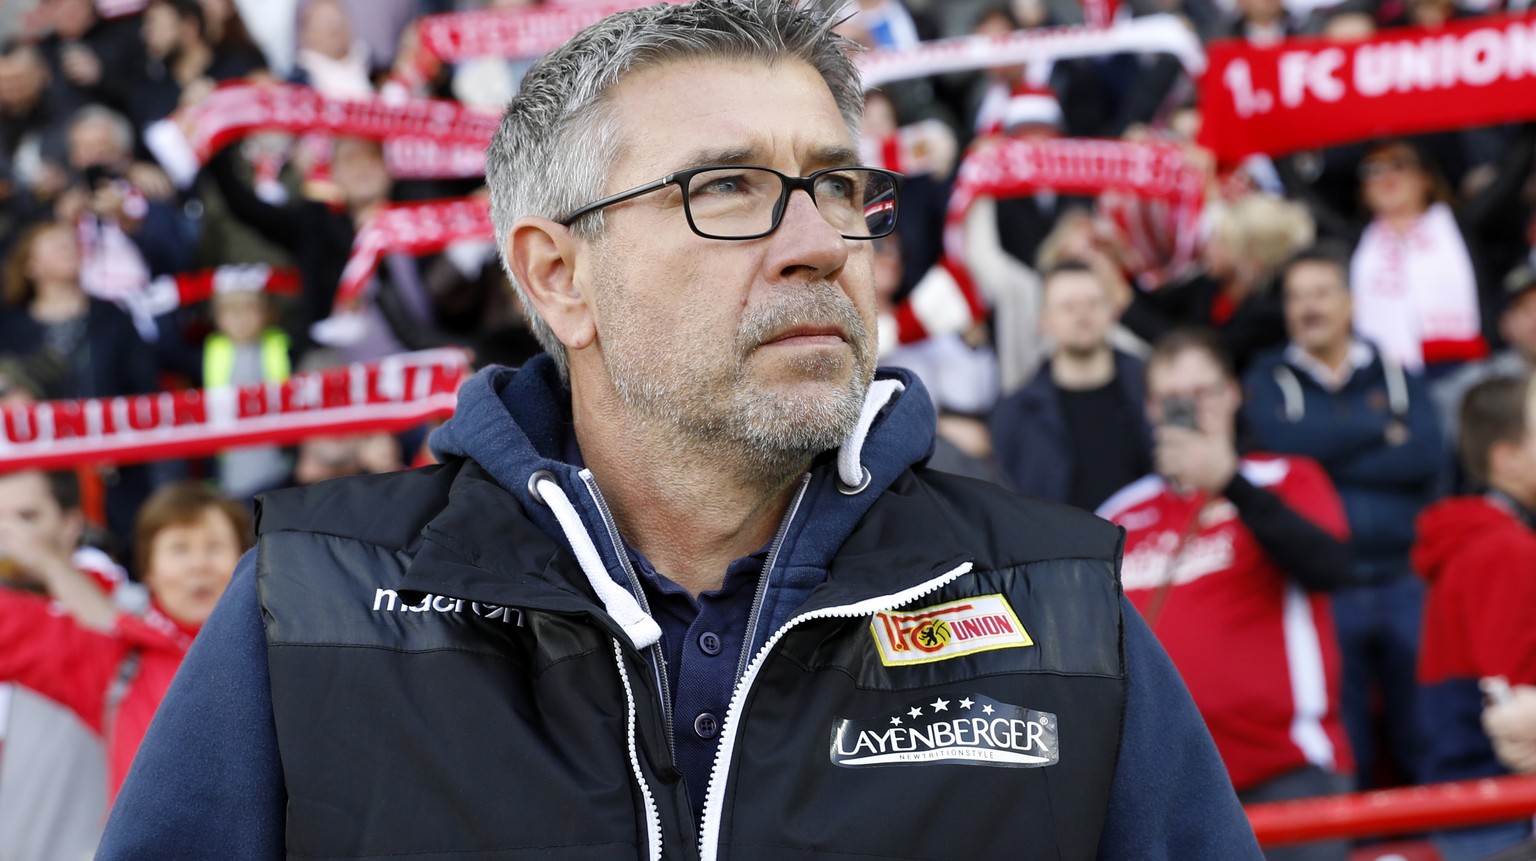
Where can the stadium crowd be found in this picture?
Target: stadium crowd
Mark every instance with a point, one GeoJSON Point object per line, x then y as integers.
{"type": "Point", "coordinates": [1303, 391]}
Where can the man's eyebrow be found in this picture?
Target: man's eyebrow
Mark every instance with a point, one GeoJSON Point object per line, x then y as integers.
{"type": "Point", "coordinates": [828, 156]}
{"type": "Point", "coordinates": [729, 155]}
{"type": "Point", "coordinates": [835, 156]}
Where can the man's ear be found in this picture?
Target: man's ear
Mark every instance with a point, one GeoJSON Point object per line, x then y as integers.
{"type": "Point", "coordinates": [543, 256]}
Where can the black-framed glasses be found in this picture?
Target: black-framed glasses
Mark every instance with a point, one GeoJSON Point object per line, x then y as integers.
{"type": "Point", "coordinates": [748, 202]}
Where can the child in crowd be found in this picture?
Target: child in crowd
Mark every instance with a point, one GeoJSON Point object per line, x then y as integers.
{"type": "Point", "coordinates": [246, 348]}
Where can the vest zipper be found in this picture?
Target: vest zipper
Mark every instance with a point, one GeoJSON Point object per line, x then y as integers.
{"type": "Point", "coordinates": [652, 812]}
{"type": "Point", "coordinates": [714, 797]}
{"type": "Point", "coordinates": [762, 581]}
{"type": "Point", "coordinates": [658, 657]}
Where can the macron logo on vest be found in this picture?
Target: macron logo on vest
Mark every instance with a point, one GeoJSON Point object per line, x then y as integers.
{"type": "Point", "coordinates": [388, 600]}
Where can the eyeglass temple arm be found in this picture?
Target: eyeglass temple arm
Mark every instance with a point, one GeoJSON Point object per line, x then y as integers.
{"type": "Point", "coordinates": [618, 198]}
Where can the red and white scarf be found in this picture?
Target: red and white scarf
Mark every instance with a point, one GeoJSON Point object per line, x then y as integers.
{"type": "Point", "coordinates": [1416, 292]}
{"type": "Point", "coordinates": [410, 228]}
{"type": "Point", "coordinates": [388, 395]}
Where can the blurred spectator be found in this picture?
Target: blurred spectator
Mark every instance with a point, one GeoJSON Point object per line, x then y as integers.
{"type": "Point", "coordinates": [1226, 557]}
{"type": "Point", "coordinates": [1415, 285]}
{"type": "Point", "coordinates": [1336, 399]}
{"type": "Point", "coordinates": [958, 369]}
{"type": "Point", "coordinates": [378, 24]}
{"type": "Point", "coordinates": [112, 668]}
{"type": "Point", "coordinates": [321, 458]}
{"type": "Point", "coordinates": [1517, 327]}
{"type": "Point", "coordinates": [1261, 22]}
{"type": "Point", "coordinates": [53, 774]}
{"type": "Point", "coordinates": [246, 348]}
{"type": "Point", "coordinates": [1234, 293]}
{"type": "Point", "coordinates": [75, 346]}
{"type": "Point", "coordinates": [32, 126]}
{"type": "Point", "coordinates": [84, 52]}
{"type": "Point", "coordinates": [1076, 433]}
{"type": "Point", "coordinates": [318, 234]}
{"type": "Point", "coordinates": [178, 55]}
{"type": "Point", "coordinates": [127, 231]}
{"type": "Point", "coordinates": [1478, 554]}
{"type": "Point", "coordinates": [225, 30]}
{"type": "Point", "coordinates": [330, 57]}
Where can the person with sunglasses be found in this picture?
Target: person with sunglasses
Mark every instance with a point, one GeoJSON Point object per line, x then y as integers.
{"type": "Point", "coordinates": [684, 587]}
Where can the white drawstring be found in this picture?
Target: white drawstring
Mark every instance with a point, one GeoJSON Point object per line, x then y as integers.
{"type": "Point", "coordinates": [622, 606]}
{"type": "Point", "coordinates": [852, 474]}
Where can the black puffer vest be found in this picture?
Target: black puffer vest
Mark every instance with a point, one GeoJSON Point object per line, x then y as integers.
{"type": "Point", "coordinates": [445, 686]}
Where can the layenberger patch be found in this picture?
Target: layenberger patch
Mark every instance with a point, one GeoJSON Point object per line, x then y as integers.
{"type": "Point", "coordinates": [968, 729]}
{"type": "Point", "coordinates": [946, 631]}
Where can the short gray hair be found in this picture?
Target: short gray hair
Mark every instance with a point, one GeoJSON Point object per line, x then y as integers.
{"type": "Point", "coordinates": [557, 142]}
{"type": "Point", "coordinates": [122, 129]}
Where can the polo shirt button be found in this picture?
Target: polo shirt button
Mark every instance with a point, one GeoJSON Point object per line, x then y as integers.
{"type": "Point", "coordinates": [709, 643]}
{"type": "Point", "coordinates": [706, 725]}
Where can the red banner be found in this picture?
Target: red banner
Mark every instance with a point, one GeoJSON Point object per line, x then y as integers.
{"type": "Point", "coordinates": [411, 228]}
{"type": "Point", "coordinates": [236, 110]}
{"type": "Point", "coordinates": [1306, 93]}
{"type": "Point", "coordinates": [389, 395]}
{"type": "Point", "coordinates": [511, 33]}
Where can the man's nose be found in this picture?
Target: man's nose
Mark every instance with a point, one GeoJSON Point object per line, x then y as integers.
{"type": "Point", "coordinates": [806, 244]}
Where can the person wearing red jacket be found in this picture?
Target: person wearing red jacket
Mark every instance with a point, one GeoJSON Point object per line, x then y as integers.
{"type": "Point", "coordinates": [111, 668]}
{"type": "Point", "coordinates": [1227, 556]}
{"type": "Point", "coordinates": [1478, 554]}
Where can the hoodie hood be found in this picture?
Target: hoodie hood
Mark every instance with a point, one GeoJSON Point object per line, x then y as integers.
{"type": "Point", "coordinates": [516, 424]}
{"type": "Point", "coordinates": [1445, 528]}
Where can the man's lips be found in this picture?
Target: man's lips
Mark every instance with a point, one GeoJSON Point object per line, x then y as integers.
{"type": "Point", "coordinates": [807, 335]}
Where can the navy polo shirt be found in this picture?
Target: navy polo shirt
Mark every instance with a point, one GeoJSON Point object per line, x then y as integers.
{"type": "Point", "coordinates": [702, 640]}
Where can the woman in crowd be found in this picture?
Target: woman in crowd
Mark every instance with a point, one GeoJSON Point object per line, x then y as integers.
{"type": "Point", "coordinates": [111, 668]}
{"type": "Point", "coordinates": [74, 346]}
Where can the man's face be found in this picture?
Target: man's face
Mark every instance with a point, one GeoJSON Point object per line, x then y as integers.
{"type": "Point", "coordinates": [71, 18]}
{"type": "Point", "coordinates": [1192, 375]}
{"type": "Point", "coordinates": [22, 78]}
{"type": "Point", "coordinates": [358, 168]}
{"type": "Point", "coordinates": [95, 143]}
{"type": "Point", "coordinates": [1518, 325]}
{"type": "Point", "coordinates": [30, 514]}
{"type": "Point", "coordinates": [160, 29]}
{"type": "Point", "coordinates": [765, 342]}
{"type": "Point", "coordinates": [1075, 313]}
{"type": "Point", "coordinates": [1318, 310]}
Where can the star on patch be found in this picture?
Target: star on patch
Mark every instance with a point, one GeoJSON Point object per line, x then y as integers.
{"type": "Point", "coordinates": [916, 712]}
{"type": "Point", "coordinates": [895, 721]}
{"type": "Point", "coordinates": [940, 705]}
{"type": "Point", "coordinates": [988, 709]}
{"type": "Point", "coordinates": [967, 703]}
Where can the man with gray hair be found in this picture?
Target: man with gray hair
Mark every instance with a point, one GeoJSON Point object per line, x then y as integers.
{"type": "Point", "coordinates": [685, 588]}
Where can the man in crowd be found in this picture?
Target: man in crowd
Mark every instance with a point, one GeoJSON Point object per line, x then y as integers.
{"type": "Point", "coordinates": [1076, 433]}
{"type": "Point", "coordinates": [1338, 400]}
{"type": "Point", "coordinates": [1479, 555]}
{"type": "Point", "coordinates": [53, 772]}
{"type": "Point", "coordinates": [682, 588]}
{"type": "Point", "coordinates": [1226, 556]}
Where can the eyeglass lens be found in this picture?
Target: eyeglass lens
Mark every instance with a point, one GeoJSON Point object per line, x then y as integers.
{"type": "Point", "coordinates": [745, 201]}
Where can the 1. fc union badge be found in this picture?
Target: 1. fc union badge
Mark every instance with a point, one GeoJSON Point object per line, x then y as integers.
{"type": "Point", "coordinates": [945, 631]}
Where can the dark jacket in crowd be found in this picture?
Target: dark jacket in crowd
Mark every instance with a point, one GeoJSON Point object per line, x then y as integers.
{"type": "Point", "coordinates": [1030, 435]}
{"type": "Point", "coordinates": [1247, 329]}
{"type": "Point", "coordinates": [1378, 438]}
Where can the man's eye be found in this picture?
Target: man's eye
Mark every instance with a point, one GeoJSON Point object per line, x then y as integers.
{"type": "Point", "coordinates": [835, 186]}
{"type": "Point", "coordinates": [721, 185]}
